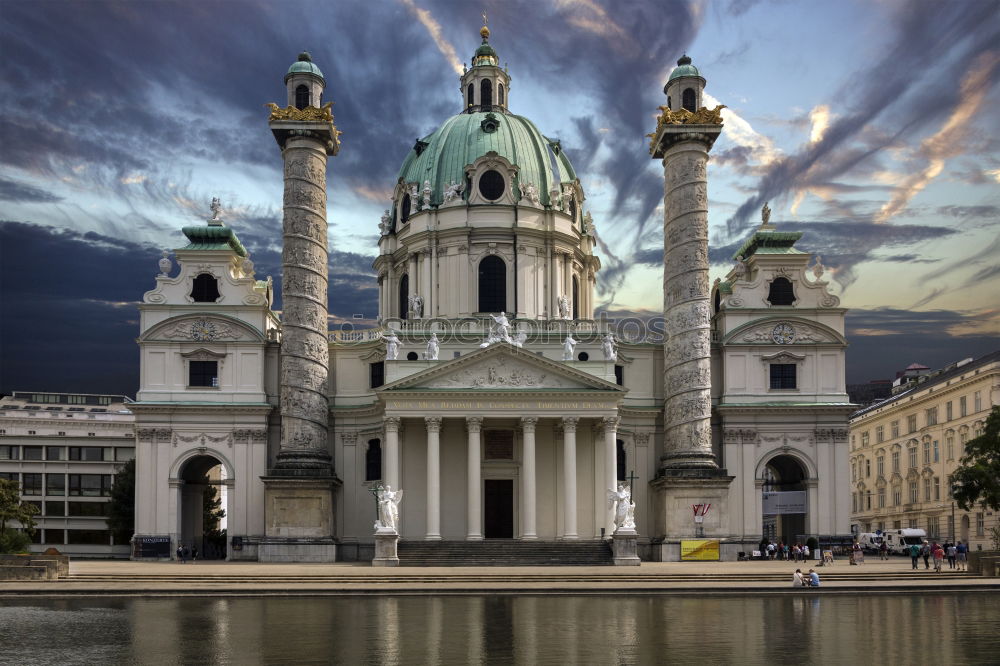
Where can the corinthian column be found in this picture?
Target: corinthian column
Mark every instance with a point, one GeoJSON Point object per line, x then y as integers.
{"type": "Point", "coordinates": [687, 372]}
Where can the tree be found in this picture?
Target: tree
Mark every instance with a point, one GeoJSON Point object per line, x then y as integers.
{"type": "Point", "coordinates": [121, 508]}
{"type": "Point", "coordinates": [977, 479]}
{"type": "Point", "coordinates": [212, 512]}
{"type": "Point", "coordinates": [12, 509]}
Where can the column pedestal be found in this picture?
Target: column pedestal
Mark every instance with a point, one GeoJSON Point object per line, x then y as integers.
{"type": "Point", "coordinates": [385, 550]}
{"type": "Point", "coordinates": [677, 490]}
{"type": "Point", "coordinates": [623, 548]}
{"type": "Point", "coordinates": [299, 520]}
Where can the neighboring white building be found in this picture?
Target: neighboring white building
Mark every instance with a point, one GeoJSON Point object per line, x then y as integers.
{"type": "Point", "coordinates": [519, 436]}
{"type": "Point", "coordinates": [64, 449]}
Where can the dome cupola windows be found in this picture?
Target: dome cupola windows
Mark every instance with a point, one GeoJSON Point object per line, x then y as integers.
{"type": "Point", "coordinates": [486, 85]}
{"type": "Point", "coordinates": [685, 87]}
{"type": "Point", "coordinates": [305, 83]}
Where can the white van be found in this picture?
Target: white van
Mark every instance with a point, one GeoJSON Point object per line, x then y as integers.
{"type": "Point", "coordinates": [870, 542]}
{"type": "Point", "coordinates": [899, 541]}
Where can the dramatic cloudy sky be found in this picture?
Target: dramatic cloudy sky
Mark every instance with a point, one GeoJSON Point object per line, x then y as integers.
{"type": "Point", "coordinates": [869, 125]}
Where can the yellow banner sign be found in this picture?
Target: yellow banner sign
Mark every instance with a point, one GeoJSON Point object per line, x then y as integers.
{"type": "Point", "coordinates": [700, 550]}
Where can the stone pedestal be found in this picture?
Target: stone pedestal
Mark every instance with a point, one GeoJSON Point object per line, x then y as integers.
{"type": "Point", "coordinates": [623, 548]}
{"type": "Point", "coordinates": [676, 491]}
{"type": "Point", "coordinates": [299, 523]}
{"type": "Point", "coordinates": [385, 549]}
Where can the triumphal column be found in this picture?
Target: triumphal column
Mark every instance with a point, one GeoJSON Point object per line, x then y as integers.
{"type": "Point", "coordinates": [689, 473]}
{"type": "Point", "coordinates": [299, 507]}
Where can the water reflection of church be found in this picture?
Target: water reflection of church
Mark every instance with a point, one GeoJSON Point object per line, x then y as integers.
{"type": "Point", "coordinates": [504, 441]}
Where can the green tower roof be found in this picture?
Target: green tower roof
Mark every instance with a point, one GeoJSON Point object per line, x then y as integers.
{"type": "Point", "coordinates": [442, 156]}
{"type": "Point", "coordinates": [684, 68]}
{"type": "Point", "coordinates": [213, 237]}
{"type": "Point", "coordinates": [304, 65]}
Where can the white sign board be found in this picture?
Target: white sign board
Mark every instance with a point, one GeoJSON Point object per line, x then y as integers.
{"type": "Point", "coordinates": [790, 501]}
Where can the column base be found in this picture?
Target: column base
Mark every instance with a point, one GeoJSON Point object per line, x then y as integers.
{"type": "Point", "coordinates": [298, 519]}
{"type": "Point", "coordinates": [689, 460]}
{"type": "Point", "coordinates": [432, 537]}
{"type": "Point", "coordinates": [474, 537]}
{"type": "Point", "coordinates": [623, 548]}
{"type": "Point", "coordinates": [677, 490]}
{"type": "Point", "coordinates": [528, 537]}
{"type": "Point", "coordinates": [274, 549]}
{"type": "Point", "coordinates": [303, 462]}
{"type": "Point", "coordinates": [385, 550]}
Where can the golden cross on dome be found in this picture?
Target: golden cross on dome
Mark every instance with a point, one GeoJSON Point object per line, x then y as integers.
{"type": "Point", "coordinates": [484, 17]}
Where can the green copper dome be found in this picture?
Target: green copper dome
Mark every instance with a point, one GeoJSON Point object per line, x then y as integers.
{"type": "Point", "coordinates": [304, 65]}
{"type": "Point", "coordinates": [684, 68]}
{"type": "Point", "coordinates": [464, 138]}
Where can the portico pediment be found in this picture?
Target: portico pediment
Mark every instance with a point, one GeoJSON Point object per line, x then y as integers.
{"type": "Point", "coordinates": [502, 367]}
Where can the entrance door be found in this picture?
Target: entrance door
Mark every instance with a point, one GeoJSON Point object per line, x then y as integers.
{"type": "Point", "coordinates": [499, 508]}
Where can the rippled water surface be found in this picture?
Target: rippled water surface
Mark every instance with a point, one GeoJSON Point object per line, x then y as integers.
{"type": "Point", "coordinates": [898, 629]}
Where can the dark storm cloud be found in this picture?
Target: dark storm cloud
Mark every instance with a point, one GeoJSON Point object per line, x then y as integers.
{"type": "Point", "coordinates": [11, 190]}
{"type": "Point", "coordinates": [926, 33]}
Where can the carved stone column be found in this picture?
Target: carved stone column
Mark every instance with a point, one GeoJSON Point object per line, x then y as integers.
{"type": "Point", "coordinates": [569, 476]}
{"type": "Point", "coordinates": [391, 462]}
{"type": "Point", "coordinates": [609, 424]}
{"type": "Point", "coordinates": [528, 491]}
{"type": "Point", "coordinates": [474, 532]}
{"type": "Point", "coordinates": [433, 477]}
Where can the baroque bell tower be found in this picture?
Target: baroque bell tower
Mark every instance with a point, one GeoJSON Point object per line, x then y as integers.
{"type": "Point", "coordinates": [299, 511]}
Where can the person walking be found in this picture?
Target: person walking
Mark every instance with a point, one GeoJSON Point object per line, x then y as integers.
{"type": "Point", "coordinates": [915, 555]}
{"type": "Point", "coordinates": [951, 551]}
{"type": "Point", "coordinates": [182, 554]}
{"type": "Point", "coordinates": [194, 553]}
{"type": "Point", "coordinates": [805, 552]}
{"type": "Point", "coordinates": [883, 551]}
{"type": "Point", "coordinates": [925, 552]}
{"type": "Point", "coordinates": [938, 553]}
{"type": "Point", "coordinates": [961, 556]}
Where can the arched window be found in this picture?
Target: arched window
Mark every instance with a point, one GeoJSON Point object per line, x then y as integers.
{"type": "Point", "coordinates": [404, 296]}
{"type": "Point", "coordinates": [781, 292]}
{"type": "Point", "coordinates": [373, 460]}
{"type": "Point", "coordinates": [500, 94]}
{"type": "Point", "coordinates": [620, 457]}
{"type": "Point", "coordinates": [205, 289]}
{"type": "Point", "coordinates": [301, 96]}
{"type": "Point", "coordinates": [404, 209]}
{"type": "Point", "coordinates": [576, 298]}
{"type": "Point", "coordinates": [486, 95]}
{"type": "Point", "coordinates": [688, 99]}
{"type": "Point", "coordinates": [472, 91]}
{"type": "Point", "coordinates": [492, 284]}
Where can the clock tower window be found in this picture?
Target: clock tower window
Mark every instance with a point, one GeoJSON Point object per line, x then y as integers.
{"type": "Point", "coordinates": [783, 376]}
{"type": "Point", "coordinates": [205, 288]}
{"type": "Point", "coordinates": [203, 373]}
{"type": "Point", "coordinates": [781, 292]}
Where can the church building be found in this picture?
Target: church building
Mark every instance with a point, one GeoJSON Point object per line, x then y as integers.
{"type": "Point", "coordinates": [489, 394]}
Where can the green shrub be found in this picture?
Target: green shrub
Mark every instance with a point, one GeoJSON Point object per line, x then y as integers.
{"type": "Point", "coordinates": [14, 541]}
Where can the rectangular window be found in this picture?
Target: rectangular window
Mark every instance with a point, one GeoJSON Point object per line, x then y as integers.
{"type": "Point", "coordinates": [10, 452]}
{"type": "Point", "coordinates": [55, 508]}
{"type": "Point", "coordinates": [978, 399]}
{"type": "Point", "coordinates": [951, 448]}
{"type": "Point", "coordinates": [124, 453]}
{"type": "Point", "coordinates": [88, 509]}
{"type": "Point", "coordinates": [880, 465]}
{"type": "Point", "coordinates": [86, 453]}
{"type": "Point", "coordinates": [962, 406]}
{"type": "Point", "coordinates": [881, 498]}
{"type": "Point", "coordinates": [927, 490]}
{"type": "Point", "coordinates": [620, 375]}
{"type": "Point", "coordinates": [895, 462]}
{"type": "Point", "coordinates": [914, 492]}
{"type": "Point", "coordinates": [88, 537]}
{"type": "Point", "coordinates": [912, 523]}
{"type": "Point", "coordinates": [897, 524]}
{"type": "Point", "coordinates": [868, 501]}
{"type": "Point", "coordinates": [868, 468]}
{"type": "Point", "coordinates": [947, 413]}
{"type": "Point", "coordinates": [951, 527]}
{"type": "Point", "coordinates": [980, 524]}
{"type": "Point", "coordinates": [897, 495]}
{"type": "Point", "coordinates": [31, 484]}
{"type": "Point", "coordinates": [55, 537]}
{"type": "Point", "coordinates": [10, 476]}
{"type": "Point", "coordinates": [880, 434]}
{"type": "Point", "coordinates": [376, 374]}
{"type": "Point", "coordinates": [55, 484]}
{"type": "Point", "coordinates": [932, 527]}
{"type": "Point", "coordinates": [782, 375]}
{"type": "Point", "coordinates": [913, 457]}
{"type": "Point", "coordinates": [203, 373]}
{"type": "Point", "coordinates": [499, 444]}
{"type": "Point", "coordinates": [911, 423]}
{"type": "Point", "coordinates": [854, 471]}
{"type": "Point", "coordinates": [927, 453]}
{"type": "Point", "coordinates": [55, 453]}
{"type": "Point", "coordinates": [865, 439]}
{"type": "Point", "coordinates": [937, 455]}
{"type": "Point", "coordinates": [895, 429]}
{"type": "Point", "coordinates": [937, 488]}
{"type": "Point", "coordinates": [931, 416]}
{"type": "Point", "coordinates": [90, 485]}
{"type": "Point", "coordinates": [32, 452]}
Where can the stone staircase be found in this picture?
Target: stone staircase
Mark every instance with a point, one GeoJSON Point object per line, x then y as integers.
{"type": "Point", "coordinates": [503, 553]}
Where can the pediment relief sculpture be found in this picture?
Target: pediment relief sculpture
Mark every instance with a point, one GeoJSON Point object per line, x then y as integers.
{"type": "Point", "coordinates": [784, 333]}
{"type": "Point", "coordinates": [202, 329]}
{"type": "Point", "coordinates": [498, 373]}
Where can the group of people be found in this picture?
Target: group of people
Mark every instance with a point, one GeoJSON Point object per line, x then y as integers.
{"type": "Point", "coordinates": [956, 554]}
{"type": "Point", "coordinates": [800, 579]}
{"type": "Point", "coordinates": [798, 552]}
{"type": "Point", "coordinates": [183, 553]}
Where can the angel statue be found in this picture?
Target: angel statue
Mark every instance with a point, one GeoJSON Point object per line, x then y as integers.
{"type": "Point", "coordinates": [765, 215]}
{"type": "Point", "coordinates": [433, 348]}
{"type": "Point", "coordinates": [216, 208]}
{"type": "Point", "coordinates": [392, 345]}
{"type": "Point", "coordinates": [621, 501]}
{"type": "Point", "coordinates": [501, 327]}
{"type": "Point", "coordinates": [568, 344]}
{"type": "Point", "coordinates": [563, 302]}
{"type": "Point", "coordinates": [609, 347]}
{"type": "Point", "coordinates": [388, 510]}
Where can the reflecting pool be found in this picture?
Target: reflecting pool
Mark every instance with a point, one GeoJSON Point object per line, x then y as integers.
{"type": "Point", "coordinates": [821, 628]}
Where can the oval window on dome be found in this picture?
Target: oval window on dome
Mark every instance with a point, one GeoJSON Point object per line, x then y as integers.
{"type": "Point", "coordinates": [492, 185]}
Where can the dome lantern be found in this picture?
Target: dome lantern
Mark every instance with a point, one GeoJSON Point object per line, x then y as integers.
{"type": "Point", "coordinates": [485, 86]}
{"type": "Point", "coordinates": [305, 83]}
{"type": "Point", "coordinates": [684, 86]}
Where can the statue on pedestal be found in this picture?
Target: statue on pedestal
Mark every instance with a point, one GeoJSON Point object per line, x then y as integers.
{"type": "Point", "coordinates": [621, 501]}
{"type": "Point", "coordinates": [433, 347]}
{"type": "Point", "coordinates": [165, 264]}
{"type": "Point", "coordinates": [564, 312]}
{"type": "Point", "coordinates": [427, 194]}
{"type": "Point", "coordinates": [609, 348]}
{"type": "Point", "coordinates": [499, 331]}
{"type": "Point", "coordinates": [568, 344]}
{"type": "Point", "coordinates": [385, 224]}
{"type": "Point", "coordinates": [388, 510]}
{"type": "Point", "coordinates": [416, 306]}
{"type": "Point", "coordinates": [392, 345]}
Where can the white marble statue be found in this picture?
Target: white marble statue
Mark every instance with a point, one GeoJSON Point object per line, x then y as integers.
{"type": "Point", "coordinates": [392, 345]}
{"type": "Point", "coordinates": [568, 344]}
{"type": "Point", "coordinates": [529, 192]}
{"type": "Point", "coordinates": [739, 268]}
{"type": "Point", "coordinates": [555, 197]}
{"type": "Point", "coordinates": [388, 510]}
{"type": "Point", "coordinates": [564, 312]}
{"type": "Point", "coordinates": [385, 223]}
{"type": "Point", "coordinates": [416, 306]}
{"type": "Point", "coordinates": [433, 347]}
{"type": "Point", "coordinates": [609, 347]}
{"type": "Point", "coordinates": [248, 266]}
{"type": "Point", "coordinates": [453, 191]}
{"type": "Point", "coordinates": [588, 224]}
{"type": "Point", "coordinates": [216, 208]}
{"type": "Point", "coordinates": [165, 264]}
{"type": "Point", "coordinates": [414, 195]}
{"type": "Point", "coordinates": [427, 194]}
{"type": "Point", "coordinates": [520, 338]}
{"type": "Point", "coordinates": [501, 327]}
{"type": "Point", "coordinates": [621, 501]}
